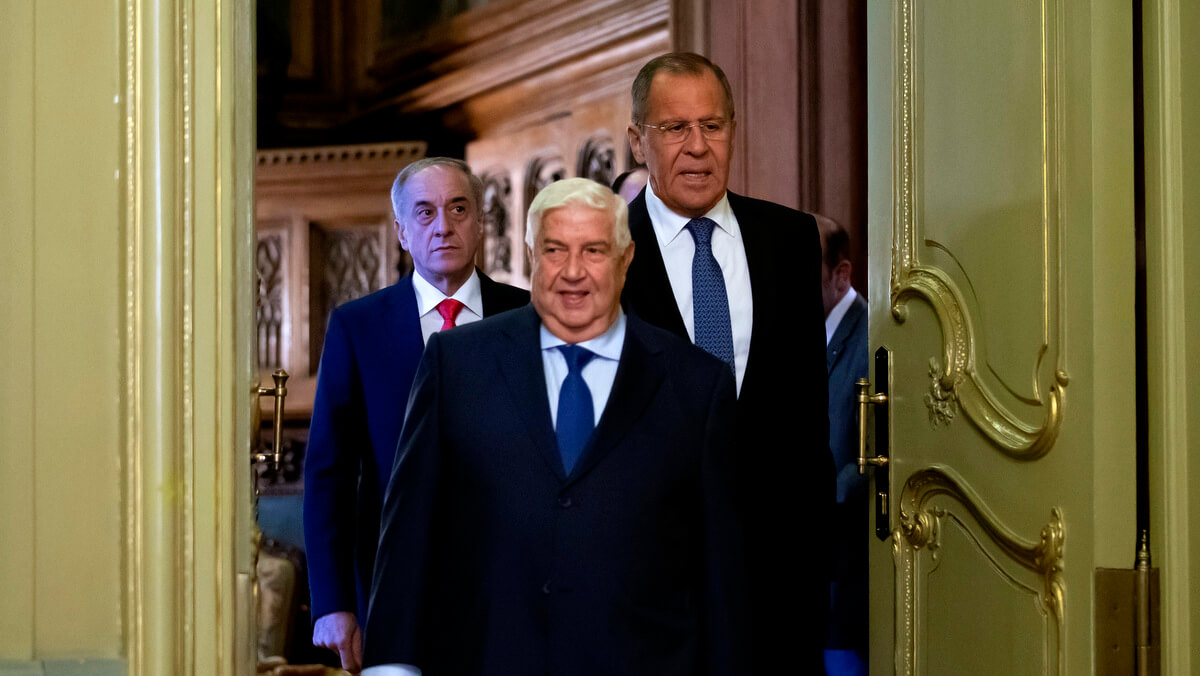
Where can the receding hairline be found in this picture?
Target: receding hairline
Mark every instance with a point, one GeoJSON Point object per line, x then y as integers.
{"type": "Point", "coordinates": [679, 64]}
{"type": "Point", "coordinates": [474, 186]}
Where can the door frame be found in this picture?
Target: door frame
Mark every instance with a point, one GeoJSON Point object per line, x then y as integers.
{"type": "Point", "coordinates": [186, 182]}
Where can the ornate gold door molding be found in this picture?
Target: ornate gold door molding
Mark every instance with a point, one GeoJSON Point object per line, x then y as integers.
{"type": "Point", "coordinates": [186, 181]}
{"type": "Point", "coordinates": [964, 379]}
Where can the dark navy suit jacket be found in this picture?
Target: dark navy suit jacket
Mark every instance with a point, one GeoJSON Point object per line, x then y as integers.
{"type": "Point", "coordinates": [846, 357]}
{"type": "Point", "coordinates": [372, 348]}
{"type": "Point", "coordinates": [492, 561]}
{"type": "Point", "coordinates": [782, 422]}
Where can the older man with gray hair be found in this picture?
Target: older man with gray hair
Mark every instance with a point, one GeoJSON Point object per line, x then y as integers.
{"type": "Point", "coordinates": [372, 346]}
{"type": "Point", "coordinates": [561, 502]}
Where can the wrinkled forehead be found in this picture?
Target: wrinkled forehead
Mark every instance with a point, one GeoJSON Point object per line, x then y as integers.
{"type": "Point", "coordinates": [579, 220]}
{"type": "Point", "coordinates": [436, 185]}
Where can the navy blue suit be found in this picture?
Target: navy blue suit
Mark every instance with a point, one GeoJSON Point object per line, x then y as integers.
{"type": "Point", "coordinates": [846, 358]}
{"type": "Point", "coordinates": [372, 348]}
{"type": "Point", "coordinates": [782, 421]}
{"type": "Point", "coordinates": [492, 561]}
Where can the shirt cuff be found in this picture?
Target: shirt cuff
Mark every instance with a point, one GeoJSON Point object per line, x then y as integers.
{"type": "Point", "coordinates": [391, 670]}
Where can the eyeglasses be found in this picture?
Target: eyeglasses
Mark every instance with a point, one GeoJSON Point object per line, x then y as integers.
{"type": "Point", "coordinates": [678, 132]}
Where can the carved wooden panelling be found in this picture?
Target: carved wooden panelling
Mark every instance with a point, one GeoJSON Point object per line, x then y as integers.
{"type": "Point", "coordinates": [354, 266]}
{"type": "Point", "coordinates": [588, 140]}
{"type": "Point", "coordinates": [269, 260]}
{"type": "Point", "coordinates": [346, 261]}
{"type": "Point", "coordinates": [596, 160]}
{"type": "Point", "coordinates": [497, 225]}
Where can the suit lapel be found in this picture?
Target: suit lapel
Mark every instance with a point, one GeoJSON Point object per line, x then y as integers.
{"type": "Point", "coordinates": [638, 377]}
{"type": "Point", "coordinates": [757, 262]}
{"type": "Point", "coordinates": [401, 318]}
{"type": "Point", "coordinates": [648, 286]}
{"type": "Point", "coordinates": [520, 359]}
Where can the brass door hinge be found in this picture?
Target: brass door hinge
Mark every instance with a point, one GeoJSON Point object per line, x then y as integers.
{"type": "Point", "coordinates": [1128, 617]}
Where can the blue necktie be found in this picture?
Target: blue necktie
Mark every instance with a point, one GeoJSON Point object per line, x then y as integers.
{"type": "Point", "coordinates": [710, 303]}
{"type": "Point", "coordinates": [576, 417]}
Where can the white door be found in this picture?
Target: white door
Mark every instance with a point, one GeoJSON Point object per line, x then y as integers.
{"type": "Point", "coordinates": [1001, 285]}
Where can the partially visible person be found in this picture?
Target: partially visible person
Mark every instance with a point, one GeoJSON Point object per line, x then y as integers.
{"type": "Point", "coordinates": [846, 357]}
{"type": "Point", "coordinates": [741, 278]}
{"type": "Point", "coordinates": [562, 499]}
{"type": "Point", "coordinates": [371, 351]}
{"type": "Point", "coordinates": [629, 184]}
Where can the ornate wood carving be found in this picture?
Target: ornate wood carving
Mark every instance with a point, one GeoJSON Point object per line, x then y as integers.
{"type": "Point", "coordinates": [354, 266]}
{"type": "Point", "coordinates": [497, 230]}
{"type": "Point", "coordinates": [269, 300]}
{"type": "Point", "coordinates": [597, 159]}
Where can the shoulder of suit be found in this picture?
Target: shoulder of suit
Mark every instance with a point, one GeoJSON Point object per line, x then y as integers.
{"type": "Point", "coordinates": [771, 209]}
{"type": "Point", "coordinates": [374, 302]}
{"type": "Point", "coordinates": [662, 341]}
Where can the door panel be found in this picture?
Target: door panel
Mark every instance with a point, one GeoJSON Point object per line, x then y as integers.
{"type": "Point", "coordinates": [1000, 280]}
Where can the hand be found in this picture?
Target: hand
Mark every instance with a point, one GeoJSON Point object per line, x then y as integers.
{"type": "Point", "coordinates": [339, 632]}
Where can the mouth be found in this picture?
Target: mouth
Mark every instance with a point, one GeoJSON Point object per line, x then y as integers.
{"type": "Point", "coordinates": [572, 298]}
{"type": "Point", "coordinates": [695, 175]}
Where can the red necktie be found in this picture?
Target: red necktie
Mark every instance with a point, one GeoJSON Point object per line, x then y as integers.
{"type": "Point", "coordinates": [449, 310]}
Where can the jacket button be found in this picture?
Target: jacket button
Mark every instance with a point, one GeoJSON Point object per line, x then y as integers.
{"type": "Point", "coordinates": [546, 588]}
{"type": "Point", "coordinates": [564, 501]}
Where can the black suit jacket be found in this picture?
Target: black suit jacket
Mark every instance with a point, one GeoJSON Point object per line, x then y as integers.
{"type": "Point", "coordinates": [783, 430]}
{"type": "Point", "coordinates": [846, 357]}
{"type": "Point", "coordinates": [371, 351]}
{"type": "Point", "coordinates": [493, 561]}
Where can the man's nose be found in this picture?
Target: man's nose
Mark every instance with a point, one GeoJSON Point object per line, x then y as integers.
{"type": "Point", "coordinates": [695, 143]}
{"type": "Point", "coordinates": [574, 267]}
{"type": "Point", "coordinates": [441, 224]}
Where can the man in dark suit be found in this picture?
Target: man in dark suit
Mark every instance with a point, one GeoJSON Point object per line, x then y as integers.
{"type": "Point", "coordinates": [741, 278]}
{"type": "Point", "coordinates": [846, 360]}
{"type": "Point", "coordinates": [561, 498]}
{"type": "Point", "coordinates": [371, 351]}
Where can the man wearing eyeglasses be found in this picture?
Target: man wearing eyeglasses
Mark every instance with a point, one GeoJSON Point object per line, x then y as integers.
{"type": "Point", "coordinates": [741, 278]}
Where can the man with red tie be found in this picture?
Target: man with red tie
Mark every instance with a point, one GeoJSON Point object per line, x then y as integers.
{"type": "Point", "coordinates": [372, 347]}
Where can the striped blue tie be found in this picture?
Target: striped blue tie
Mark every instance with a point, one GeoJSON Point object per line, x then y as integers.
{"type": "Point", "coordinates": [710, 303]}
{"type": "Point", "coordinates": [576, 415]}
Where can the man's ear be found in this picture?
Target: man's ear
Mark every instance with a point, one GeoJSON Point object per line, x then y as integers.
{"type": "Point", "coordinates": [841, 275]}
{"type": "Point", "coordinates": [400, 234]}
{"type": "Point", "coordinates": [635, 143]}
{"type": "Point", "coordinates": [627, 258]}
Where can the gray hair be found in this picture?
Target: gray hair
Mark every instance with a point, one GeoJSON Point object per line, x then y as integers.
{"type": "Point", "coordinates": [579, 192]}
{"type": "Point", "coordinates": [676, 63]}
{"type": "Point", "coordinates": [425, 163]}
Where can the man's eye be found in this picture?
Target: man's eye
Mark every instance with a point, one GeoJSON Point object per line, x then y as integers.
{"type": "Point", "coordinates": [458, 209]}
{"type": "Point", "coordinates": [674, 127]}
{"type": "Point", "coordinates": [712, 127]}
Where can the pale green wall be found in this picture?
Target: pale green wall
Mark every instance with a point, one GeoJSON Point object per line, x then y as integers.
{"type": "Point", "coordinates": [60, 140]}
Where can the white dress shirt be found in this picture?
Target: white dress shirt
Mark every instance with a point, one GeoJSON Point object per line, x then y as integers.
{"type": "Point", "coordinates": [678, 248]}
{"type": "Point", "coordinates": [599, 374]}
{"type": "Point", "coordinates": [838, 311]}
{"type": "Point", "coordinates": [428, 297]}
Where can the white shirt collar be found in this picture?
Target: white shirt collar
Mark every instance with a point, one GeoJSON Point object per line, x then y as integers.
{"type": "Point", "coordinates": [607, 344]}
{"type": "Point", "coordinates": [838, 311]}
{"type": "Point", "coordinates": [428, 295]}
{"type": "Point", "coordinates": [668, 224]}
